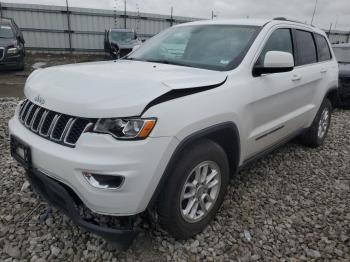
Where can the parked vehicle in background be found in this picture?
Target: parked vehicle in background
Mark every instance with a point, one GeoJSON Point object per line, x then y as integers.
{"type": "Point", "coordinates": [120, 42]}
{"type": "Point", "coordinates": [11, 45]}
{"type": "Point", "coordinates": [162, 131]}
{"type": "Point", "coordinates": [342, 52]}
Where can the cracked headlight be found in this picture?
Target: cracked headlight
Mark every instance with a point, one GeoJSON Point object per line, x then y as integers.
{"type": "Point", "coordinates": [127, 129]}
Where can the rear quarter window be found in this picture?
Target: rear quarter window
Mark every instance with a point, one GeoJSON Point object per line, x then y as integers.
{"type": "Point", "coordinates": [323, 49]}
{"type": "Point", "coordinates": [306, 48]}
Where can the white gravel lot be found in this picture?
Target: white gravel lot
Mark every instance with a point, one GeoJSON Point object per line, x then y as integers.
{"type": "Point", "coordinates": [292, 205]}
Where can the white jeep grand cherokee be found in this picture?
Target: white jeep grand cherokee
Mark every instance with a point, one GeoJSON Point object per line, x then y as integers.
{"type": "Point", "coordinates": [163, 129]}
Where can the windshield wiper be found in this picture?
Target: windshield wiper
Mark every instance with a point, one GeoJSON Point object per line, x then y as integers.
{"type": "Point", "coordinates": [131, 58]}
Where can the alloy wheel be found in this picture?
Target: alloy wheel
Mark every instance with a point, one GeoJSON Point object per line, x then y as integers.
{"type": "Point", "coordinates": [200, 191]}
{"type": "Point", "coordinates": [323, 123]}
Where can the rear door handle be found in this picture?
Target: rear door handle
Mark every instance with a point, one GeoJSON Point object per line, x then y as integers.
{"type": "Point", "coordinates": [324, 70]}
{"type": "Point", "coordinates": [296, 77]}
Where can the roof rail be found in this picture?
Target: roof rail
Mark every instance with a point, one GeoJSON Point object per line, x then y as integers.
{"type": "Point", "coordinates": [280, 18]}
{"type": "Point", "coordinates": [290, 20]}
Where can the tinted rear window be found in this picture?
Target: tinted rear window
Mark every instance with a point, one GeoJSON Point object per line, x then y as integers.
{"type": "Point", "coordinates": [306, 48]}
{"type": "Point", "coordinates": [323, 50]}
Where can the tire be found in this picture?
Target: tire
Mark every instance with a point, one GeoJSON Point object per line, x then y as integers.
{"type": "Point", "coordinates": [172, 205]}
{"type": "Point", "coordinates": [314, 137]}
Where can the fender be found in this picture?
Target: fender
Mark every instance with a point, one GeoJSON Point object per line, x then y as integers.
{"type": "Point", "coordinates": [205, 133]}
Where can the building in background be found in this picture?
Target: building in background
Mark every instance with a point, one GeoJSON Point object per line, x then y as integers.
{"type": "Point", "coordinates": [63, 29]}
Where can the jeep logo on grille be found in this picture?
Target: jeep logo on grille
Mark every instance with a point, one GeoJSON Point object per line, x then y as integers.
{"type": "Point", "coordinates": [39, 100]}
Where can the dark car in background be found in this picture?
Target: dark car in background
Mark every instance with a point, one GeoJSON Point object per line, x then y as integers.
{"type": "Point", "coordinates": [342, 52]}
{"type": "Point", "coordinates": [120, 42]}
{"type": "Point", "coordinates": [12, 50]}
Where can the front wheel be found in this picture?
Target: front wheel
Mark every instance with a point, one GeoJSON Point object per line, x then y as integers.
{"type": "Point", "coordinates": [195, 190]}
{"type": "Point", "coordinates": [316, 134]}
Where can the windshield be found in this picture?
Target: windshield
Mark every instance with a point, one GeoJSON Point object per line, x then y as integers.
{"type": "Point", "coordinates": [215, 47]}
{"type": "Point", "coordinates": [6, 31]}
{"type": "Point", "coordinates": [342, 54]}
{"type": "Point", "coordinates": [122, 37]}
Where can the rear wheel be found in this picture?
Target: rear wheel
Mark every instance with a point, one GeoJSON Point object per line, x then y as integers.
{"type": "Point", "coordinates": [195, 190]}
{"type": "Point", "coordinates": [316, 134]}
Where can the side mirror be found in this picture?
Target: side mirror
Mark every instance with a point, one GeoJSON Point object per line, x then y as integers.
{"type": "Point", "coordinates": [275, 62]}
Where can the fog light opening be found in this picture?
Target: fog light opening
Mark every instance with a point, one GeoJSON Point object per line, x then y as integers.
{"type": "Point", "coordinates": [104, 181]}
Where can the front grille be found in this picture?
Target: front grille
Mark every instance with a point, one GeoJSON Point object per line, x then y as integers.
{"type": "Point", "coordinates": [59, 128]}
{"type": "Point", "coordinates": [2, 53]}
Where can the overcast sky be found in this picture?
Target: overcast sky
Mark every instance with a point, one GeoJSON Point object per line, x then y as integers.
{"type": "Point", "coordinates": [326, 13]}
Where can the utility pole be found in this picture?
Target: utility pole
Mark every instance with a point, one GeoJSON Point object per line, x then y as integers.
{"type": "Point", "coordinates": [336, 22]}
{"type": "Point", "coordinates": [125, 14]}
{"type": "Point", "coordinates": [69, 27]}
{"type": "Point", "coordinates": [213, 15]}
{"type": "Point", "coordinates": [171, 16]}
{"type": "Point", "coordinates": [0, 10]}
{"type": "Point", "coordinates": [313, 15]}
{"type": "Point", "coordinates": [330, 30]}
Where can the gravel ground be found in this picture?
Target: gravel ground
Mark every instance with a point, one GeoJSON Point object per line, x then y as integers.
{"type": "Point", "coordinates": [292, 205]}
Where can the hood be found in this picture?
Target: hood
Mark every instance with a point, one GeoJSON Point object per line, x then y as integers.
{"type": "Point", "coordinates": [5, 42]}
{"type": "Point", "coordinates": [120, 88]}
{"type": "Point", "coordinates": [344, 70]}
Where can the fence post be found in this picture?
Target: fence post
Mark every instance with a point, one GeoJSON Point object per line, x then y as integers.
{"type": "Point", "coordinates": [69, 28]}
{"type": "Point", "coordinates": [125, 14]}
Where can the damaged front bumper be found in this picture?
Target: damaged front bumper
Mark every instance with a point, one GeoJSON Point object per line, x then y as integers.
{"type": "Point", "coordinates": [57, 195]}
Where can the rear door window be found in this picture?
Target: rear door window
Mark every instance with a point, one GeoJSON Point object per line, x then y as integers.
{"type": "Point", "coordinates": [323, 49]}
{"type": "Point", "coordinates": [306, 48]}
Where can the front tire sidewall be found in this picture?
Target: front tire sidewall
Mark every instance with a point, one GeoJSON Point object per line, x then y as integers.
{"type": "Point", "coordinates": [205, 151]}
{"type": "Point", "coordinates": [325, 105]}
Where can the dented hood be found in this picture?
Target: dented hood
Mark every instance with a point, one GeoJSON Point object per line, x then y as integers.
{"type": "Point", "coordinates": [120, 88]}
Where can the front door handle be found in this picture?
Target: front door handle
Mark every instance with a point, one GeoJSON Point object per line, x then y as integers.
{"type": "Point", "coordinates": [324, 70]}
{"type": "Point", "coordinates": [296, 77]}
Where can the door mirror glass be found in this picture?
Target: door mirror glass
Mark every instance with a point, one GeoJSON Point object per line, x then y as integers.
{"type": "Point", "coordinates": [275, 62]}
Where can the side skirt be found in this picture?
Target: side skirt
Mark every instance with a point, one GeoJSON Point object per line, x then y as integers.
{"type": "Point", "coordinates": [271, 148]}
